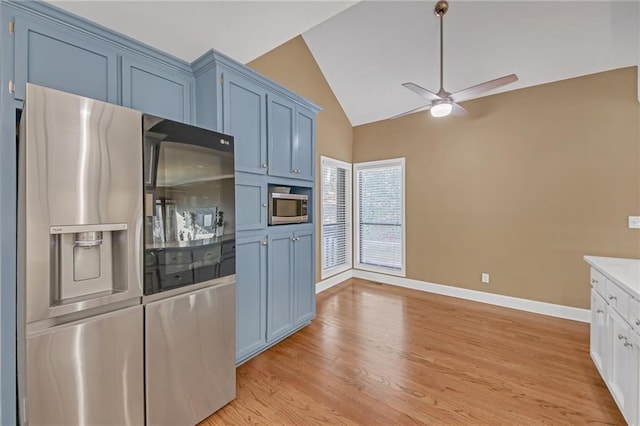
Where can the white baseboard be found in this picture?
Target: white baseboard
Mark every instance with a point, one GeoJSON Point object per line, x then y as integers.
{"type": "Point", "coordinates": [560, 311]}
{"type": "Point", "coordinates": [334, 280]}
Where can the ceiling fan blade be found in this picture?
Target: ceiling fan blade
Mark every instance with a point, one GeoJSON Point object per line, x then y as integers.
{"type": "Point", "coordinates": [422, 91]}
{"type": "Point", "coordinates": [472, 91]}
{"type": "Point", "coordinates": [422, 108]}
{"type": "Point", "coordinates": [458, 111]}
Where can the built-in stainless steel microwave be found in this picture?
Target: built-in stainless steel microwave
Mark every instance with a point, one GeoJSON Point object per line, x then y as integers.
{"type": "Point", "coordinates": [287, 208]}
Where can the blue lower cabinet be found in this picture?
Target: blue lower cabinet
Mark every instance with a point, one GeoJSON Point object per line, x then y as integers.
{"type": "Point", "coordinates": [279, 285]}
{"type": "Point", "coordinates": [64, 59]}
{"type": "Point", "coordinates": [251, 295]}
{"type": "Point", "coordinates": [155, 89]}
{"type": "Point", "coordinates": [304, 292]}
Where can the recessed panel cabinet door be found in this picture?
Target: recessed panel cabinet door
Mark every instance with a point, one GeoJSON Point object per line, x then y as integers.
{"type": "Point", "coordinates": [245, 118]}
{"type": "Point", "coordinates": [63, 59]}
{"type": "Point", "coordinates": [281, 137]}
{"type": "Point", "coordinates": [280, 285]}
{"type": "Point", "coordinates": [251, 204]}
{"type": "Point", "coordinates": [251, 295]}
{"type": "Point", "coordinates": [304, 294]}
{"type": "Point", "coordinates": [599, 334]}
{"type": "Point", "coordinates": [156, 90]}
{"type": "Point", "coordinates": [303, 160]}
{"type": "Point", "coordinates": [618, 378]}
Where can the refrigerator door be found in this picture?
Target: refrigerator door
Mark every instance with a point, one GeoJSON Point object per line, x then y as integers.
{"type": "Point", "coordinates": [80, 176]}
{"type": "Point", "coordinates": [89, 372]}
{"type": "Point", "coordinates": [190, 355]}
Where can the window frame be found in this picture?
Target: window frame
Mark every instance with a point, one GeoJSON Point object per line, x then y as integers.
{"type": "Point", "coordinates": [356, 216]}
{"type": "Point", "coordinates": [326, 273]}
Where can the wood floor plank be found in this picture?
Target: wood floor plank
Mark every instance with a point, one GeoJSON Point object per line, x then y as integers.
{"type": "Point", "coordinates": [378, 354]}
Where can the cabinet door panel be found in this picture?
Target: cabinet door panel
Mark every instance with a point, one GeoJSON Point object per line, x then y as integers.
{"type": "Point", "coordinates": [303, 159]}
{"type": "Point", "coordinates": [251, 295]}
{"type": "Point", "coordinates": [619, 361]}
{"type": "Point", "coordinates": [598, 341]}
{"type": "Point", "coordinates": [281, 137]}
{"type": "Point", "coordinates": [245, 119]}
{"type": "Point", "coordinates": [251, 204]}
{"type": "Point", "coordinates": [303, 280]}
{"type": "Point", "coordinates": [279, 283]}
{"type": "Point", "coordinates": [62, 59]}
{"type": "Point", "coordinates": [150, 88]}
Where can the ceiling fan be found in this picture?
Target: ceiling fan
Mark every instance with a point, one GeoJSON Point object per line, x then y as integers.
{"type": "Point", "coordinates": [444, 103]}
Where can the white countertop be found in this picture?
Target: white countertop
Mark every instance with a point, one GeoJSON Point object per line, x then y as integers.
{"type": "Point", "coordinates": [624, 272]}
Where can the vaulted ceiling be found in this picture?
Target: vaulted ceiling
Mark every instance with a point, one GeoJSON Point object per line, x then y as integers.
{"type": "Point", "coordinates": [366, 50]}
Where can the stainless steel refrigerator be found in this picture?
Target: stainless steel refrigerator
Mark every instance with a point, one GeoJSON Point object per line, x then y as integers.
{"type": "Point", "coordinates": [80, 336]}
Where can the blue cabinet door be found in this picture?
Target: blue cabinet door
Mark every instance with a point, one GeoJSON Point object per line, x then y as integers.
{"type": "Point", "coordinates": [279, 285]}
{"type": "Point", "coordinates": [64, 59]}
{"type": "Point", "coordinates": [281, 136]}
{"type": "Point", "coordinates": [245, 118]}
{"type": "Point", "coordinates": [251, 294]}
{"type": "Point", "coordinates": [304, 293]}
{"type": "Point", "coordinates": [304, 149]}
{"type": "Point", "coordinates": [149, 87]}
{"type": "Point", "coordinates": [251, 203]}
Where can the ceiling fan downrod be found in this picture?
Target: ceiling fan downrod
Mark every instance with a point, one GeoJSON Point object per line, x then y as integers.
{"type": "Point", "coordinates": [440, 10]}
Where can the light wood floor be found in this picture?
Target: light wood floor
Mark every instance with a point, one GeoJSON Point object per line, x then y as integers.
{"type": "Point", "coordinates": [382, 355]}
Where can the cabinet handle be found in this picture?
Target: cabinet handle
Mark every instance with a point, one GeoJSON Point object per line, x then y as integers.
{"type": "Point", "coordinates": [594, 281]}
{"type": "Point", "coordinates": [620, 337]}
{"type": "Point", "coordinates": [638, 322]}
{"type": "Point", "coordinates": [613, 298]}
{"type": "Point", "coordinates": [627, 344]}
{"type": "Point", "coordinates": [600, 311]}
{"type": "Point", "coordinates": [265, 166]}
{"type": "Point", "coordinates": [264, 242]}
{"type": "Point", "coordinates": [264, 204]}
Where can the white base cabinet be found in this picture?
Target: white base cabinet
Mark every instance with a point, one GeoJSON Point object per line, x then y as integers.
{"type": "Point", "coordinates": [615, 342]}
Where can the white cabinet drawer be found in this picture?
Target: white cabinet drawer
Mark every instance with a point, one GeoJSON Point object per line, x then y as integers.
{"type": "Point", "coordinates": [618, 299]}
{"type": "Point", "coordinates": [598, 282]}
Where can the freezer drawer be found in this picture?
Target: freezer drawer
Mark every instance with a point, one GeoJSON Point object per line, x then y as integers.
{"type": "Point", "coordinates": [88, 372]}
{"type": "Point", "coordinates": [190, 355]}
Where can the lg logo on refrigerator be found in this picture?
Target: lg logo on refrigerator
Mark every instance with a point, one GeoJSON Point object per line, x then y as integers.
{"type": "Point", "coordinates": [223, 142]}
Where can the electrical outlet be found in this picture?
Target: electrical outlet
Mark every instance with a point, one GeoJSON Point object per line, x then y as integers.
{"type": "Point", "coordinates": [485, 278]}
{"type": "Point", "coordinates": [634, 222]}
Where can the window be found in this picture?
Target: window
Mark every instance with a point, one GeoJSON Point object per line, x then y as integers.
{"type": "Point", "coordinates": [335, 211]}
{"type": "Point", "coordinates": [380, 236]}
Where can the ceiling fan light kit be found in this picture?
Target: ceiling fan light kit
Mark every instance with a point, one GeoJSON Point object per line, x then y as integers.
{"type": "Point", "coordinates": [444, 103]}
{"type": "Point", "coordinates": [441, 109]}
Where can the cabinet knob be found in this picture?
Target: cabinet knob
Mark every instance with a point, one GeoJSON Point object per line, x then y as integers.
{"type": "Point", "coordinates": [265, 166]}
{"type": "Point", "coordinates": [613, 298]}
{"type": "Point", "coordinates": [264, 204]}
{"type": "Point", "coordinates": [594, 281]}
{"type": "Point", "coordinates": [627, 344]}
{"type": "Point", "coordinates": [600, 311]}
{"type": "Point", "coordinates": [638, 322]}
{"type": "Point", "coordinates": [264, 242]}
{"type": "Point", "coordinates": [620, 337]}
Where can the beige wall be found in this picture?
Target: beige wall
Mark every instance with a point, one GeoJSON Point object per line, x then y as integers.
{"type": "Point", "coordinates": [293, 66]}
{"type": "Point", "coordinates": [524, 187]}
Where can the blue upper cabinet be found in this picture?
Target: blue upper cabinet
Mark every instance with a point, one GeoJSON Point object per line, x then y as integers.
{"type": "Point", "coordinates": [245, 117]}
{"type": "Point", "coordinates": [62, 58]}
{"type": "Point", "coordinates": [273, 127]}
{"type": "Point", "coordinates": [291, 139]}
{"type": "Point", "coordinates": [281, 136]}
{"type": "Point", "coordinates": [303, 152]}
{"type": "Point", "coordinates": [156, 89]}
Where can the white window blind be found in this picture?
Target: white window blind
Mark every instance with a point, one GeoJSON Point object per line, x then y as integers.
{"type": "Point", "coordinates": [336, 216]}
{"type": "Point", "coordinates": [380, 236]}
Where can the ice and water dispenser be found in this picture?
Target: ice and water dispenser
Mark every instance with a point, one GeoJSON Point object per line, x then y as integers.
{"type": "Point", "coordinates": [88, 260]}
